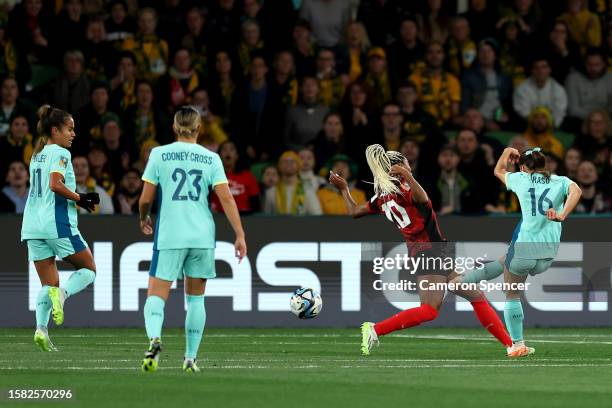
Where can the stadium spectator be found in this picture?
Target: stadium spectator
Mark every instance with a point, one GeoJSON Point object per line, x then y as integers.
{"type": "Point", "coordinates": [382, 17]}
{"type": "Point", "coordinates": [377, 77]}
{"type": "Point", "coordinates": [69, 28]}
{"type": "Point", "coordinates": [222, 86]}
{"type": "Point", "coordinates": [590, 89]}
{"type": "Point", "coordinates": [450, 192]}
{"type": "Point", "coordinates": [573, 158]}
{"type": "Point", "coordinates": [29, 26]}
{"type": "Point", "coordinates": [309, 164]}
{"type": "Point", "coordinates": [473, 120]}
{"type": "Point", "coordinates": [196, 39]}
{"type": "Point", "coordinates": [253, 120]}
{"type": "Point", "coordinates": [269, 179]}
{"type": "Point", "coordinates": [282, 82]}
{"type": "Point", "coordinates": [291, 196]}
{"type": "Point", "coordinates": [303, 121]}
{"type": "Point", "coordinates": [406, 53]}
{"type": "Point", "coordinates": [330, 82]}
{"type": "Point", "coordinates": [212, 133]}
{"type": "Point", "coordinates": [242, 183]}
{"type": "Point", "coordinates": [418, 124]}
{"type": "Point", "coordinates": [412, 152]}
{"type": "Point", "coordinates": [357, 110]}
{"type": "Point", "coordinates": [225, 23]}
{"type": "Point", "coordinates": [439, 91]}
{"type": "Point", "coordinates": [562, 53]}
{"type": "Point", "coordinates": [391, 132]}
{"type": "Point", "coordinates": [119, 26]}
{"type": "Point", "coordinates": [328, 19]}
{"type": "Point", "coordinates": [511, 53]}
{"type": "Point", "coordinates": [99, 169]}
{"type": "Point", "coordinates": [71, 90]}
{"type": "Point", "coordinates": [12, 63]}
{"type": "Point", "coordinates": [584, 26]}
{"type": "Point", "coordinates": [460, 49]}
{"type": "Point", "coordinates": [250, 43]}
{"type": "Point", "coordinates": [126, 199]}
{"type": "Point", "coordinates": [145, 153]}
{"type": "Point", "coordinates": [16, 145]}
{"type": "Point", "coordinates": [87, 184]}
{"type": "Point", "coordinates": [482, 15]}
{"type": "Point", "coordinates": [176, 86]}
{"type": "Point", "coordinates": [151, 52]}
{"type": "Point", "coordinates": [303, 49]}
{"type": "Point", "coordinates": [100, 55]}
{"type": "Point", "coordinates": [594, 199]}
{"type": "Point", "coordinates": [595, 143]}
{"type": "Point", "coordinates": [526, 13]}
{"type": "Point", "coordinates": [12, 106]}
{"type": "Point", "coordinates": [476, 168]}
{"type": "Point", "coordinates": [487, 89]}
{"type": "Point", "coordinates": [118, 150]}
{"type": "Point", "coordinates": [16, 189]}
{"type": "Point", "coordinates": [123, 85]}
{"type": "Point", "coordinates": [540, 90]}
{"type": "Point", "coordinates": [87, 120]}
{"type": "Point", "coordinates": [356, 49]}
{"type": "Point", "coordinates": [171, 20]}
{"type": "Point", "coordinates": [330, 197]}
{"type": "Point", "coordinates": [433, 22]}
{"type": "Point", "coordinates": [144, 121]}
{"type": "Point", "coordinates": [539, 132]}
{"type": "Point", "coordinates": [331, 140]}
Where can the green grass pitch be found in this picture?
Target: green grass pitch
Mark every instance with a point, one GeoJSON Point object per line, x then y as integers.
{"type": "Point", "coordinates": [314, 367]}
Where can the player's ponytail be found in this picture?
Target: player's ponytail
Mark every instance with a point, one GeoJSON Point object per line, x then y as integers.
{"type": "Point", "coordinates": [48, 118]}
{"type": "Point", "coordinates": [380, 164]}
{"type": "Point", "coordinates": [535, 161]}
{"type": "Point", "coordinates": [187, 122]}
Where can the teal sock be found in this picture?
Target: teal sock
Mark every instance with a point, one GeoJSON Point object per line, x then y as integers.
{"type": "Point", "coordinates": [78, 281]}
{"type": "Point", "coordinates": [194, 325]}
{"type": "Point", "coordinates": [490, 270]}
{"type": "Point", "coordinates": [513, 315]}
{"type": "Point", "coordinates": [154, 316]}
{"type": "Point", "coordinates": [43, 307]}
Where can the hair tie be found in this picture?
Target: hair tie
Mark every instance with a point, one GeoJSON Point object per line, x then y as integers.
{"type": "Point", "coordinates": [534, 150]}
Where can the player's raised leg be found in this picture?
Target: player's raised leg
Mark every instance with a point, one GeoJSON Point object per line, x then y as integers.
{"type": "Point", "coordinates": [430, 304]}
{"type": "Point", "coordinates": [85, 274]}
{"type": "Point", "coordinates": [47, 272]}
{"type": "Point", "coordinates": [154, 318]}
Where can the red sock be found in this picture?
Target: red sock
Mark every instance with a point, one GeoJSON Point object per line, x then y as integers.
{"type": "Point", "coordinates": [405, 319]}
{"type": "Point", "coordinates": [490, 321]}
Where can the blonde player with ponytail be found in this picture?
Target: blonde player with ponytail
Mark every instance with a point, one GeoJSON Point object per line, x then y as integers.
{"type": "Point", "coordinates": [180, 175]}
{"type": "Point", "coordinates": [404, 202]}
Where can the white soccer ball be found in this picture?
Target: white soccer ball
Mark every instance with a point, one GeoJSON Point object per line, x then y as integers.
{"type": "Point", "coordinates": [306, 303]}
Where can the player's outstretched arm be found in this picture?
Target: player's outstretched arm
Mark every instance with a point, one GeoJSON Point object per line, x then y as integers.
{"type": "Point", "coordinates": [86, 201]}
{"type": "Point", "coordinates": [419, 195]}
{"type": "Point", "coordinates": [144, 207]}
{"type": "Point", "coordinates": [233, 216]}
{"type": "Point", "coordinates": [510, 155]}
{"type": "Point", "coordinates": [357, 211]}
{"type": "Point", "coordinates": [570, 204]}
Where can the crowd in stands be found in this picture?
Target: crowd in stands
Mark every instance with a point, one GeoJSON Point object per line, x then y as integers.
{"type": "Point", "coordinates": [291, 89]}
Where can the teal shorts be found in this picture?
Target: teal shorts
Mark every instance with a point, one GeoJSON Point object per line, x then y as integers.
{"type": "Point", "coordinates": [173, 264]}
{"type": "Point", "coordinates": [39, 249]}
{"type": "Point", "coordinates": [521, 267]}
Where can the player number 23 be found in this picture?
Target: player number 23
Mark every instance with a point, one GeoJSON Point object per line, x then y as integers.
{"type": "Point", "coordinates": [396, 214]}
{"type": "Point", "coordinates": [181, 176]}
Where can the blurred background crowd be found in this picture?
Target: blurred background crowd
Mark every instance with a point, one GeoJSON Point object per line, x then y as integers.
{"type": "Point", "coordinates": [291, 89]}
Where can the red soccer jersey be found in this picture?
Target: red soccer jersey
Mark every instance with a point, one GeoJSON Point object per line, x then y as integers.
{"type": "Point", "coordinates": [417, 222]}
{"type": "Point", "coordinates": [243, 186]}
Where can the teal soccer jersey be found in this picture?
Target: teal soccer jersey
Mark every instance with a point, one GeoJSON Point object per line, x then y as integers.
{"type": "Point", "coordinates": [184, 173]}
{"type": "Point", "coordinates": [48, 215]}
{"type": "Point", "coordinates": [536, 237]}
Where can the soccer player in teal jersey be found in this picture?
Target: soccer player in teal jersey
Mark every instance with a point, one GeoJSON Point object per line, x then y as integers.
{"type": "Point", "coordinates": [180, 175]}
{"type": "Point", "coordinates": [50, 220]}
{"type": "Point", "coordinates": [546, 200]}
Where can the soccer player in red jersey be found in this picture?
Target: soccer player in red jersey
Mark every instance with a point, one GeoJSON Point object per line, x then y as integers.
{"type": "Point", "coordinates": [404, 202]}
